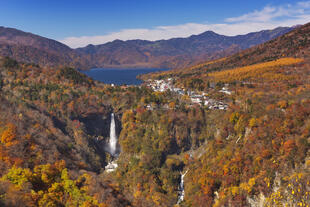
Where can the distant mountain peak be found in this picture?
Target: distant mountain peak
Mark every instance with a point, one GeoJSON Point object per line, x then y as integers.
{"type": "Point", "coordinates": [209, 32]}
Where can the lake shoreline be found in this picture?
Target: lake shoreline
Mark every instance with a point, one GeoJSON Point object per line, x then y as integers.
{"type": "Point", "coordinates": [120, 76]}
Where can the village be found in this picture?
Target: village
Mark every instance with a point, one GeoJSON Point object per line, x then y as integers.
{"type": "Point", "coordinates": [196, 97]}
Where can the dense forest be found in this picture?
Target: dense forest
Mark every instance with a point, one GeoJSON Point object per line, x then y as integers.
{"type": "Point", "coordinates": [54, 125]}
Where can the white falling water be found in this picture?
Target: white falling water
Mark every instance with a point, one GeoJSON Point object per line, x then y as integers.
{"type": "Point", "coordinates": [112, 165]}
{"type": "Point", "coordinates": [113, 137]}
{"type": "Point", "coordinates": [181, 189]}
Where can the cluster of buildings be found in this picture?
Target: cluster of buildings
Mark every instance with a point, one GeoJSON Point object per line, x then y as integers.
{"type": "Point", "coordinates": [161, 85]}
{"type": "Point", "coordinates": [202, 99]}
{"type": "Point", "coordinates": [213, 104]}
{"type": "Point", "coordinates": [195, 97]}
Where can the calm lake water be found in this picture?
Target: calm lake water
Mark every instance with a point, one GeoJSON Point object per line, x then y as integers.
{"type": "Point", "coordinates": [119, 76]}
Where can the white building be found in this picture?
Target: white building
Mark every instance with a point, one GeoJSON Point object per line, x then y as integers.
{"type": "Point", "coordinates": [225, 90]}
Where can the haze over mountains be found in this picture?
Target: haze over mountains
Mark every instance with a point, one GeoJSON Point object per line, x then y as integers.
{"type": "Point", "coordinates": [172, 53]}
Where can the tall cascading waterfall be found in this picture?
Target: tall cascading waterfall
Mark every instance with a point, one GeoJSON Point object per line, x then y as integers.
{"type": "Point", "coordinates": [113, 137]}
{"type": "Point", "coordinates": [181, 192]}
{"type": "Point", "coordinates": [112, 146]}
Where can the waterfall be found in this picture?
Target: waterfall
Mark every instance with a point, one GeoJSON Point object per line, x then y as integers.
{"type": "Point", "coordinates": [181, 192]}
{"type": "Point", "coordinates": [112, 147]}
{"type": "Point", "coordinates": [113, 137]}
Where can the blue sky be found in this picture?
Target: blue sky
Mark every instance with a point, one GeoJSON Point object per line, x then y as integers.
{"type": "Point", "coordinates": [80, 22]}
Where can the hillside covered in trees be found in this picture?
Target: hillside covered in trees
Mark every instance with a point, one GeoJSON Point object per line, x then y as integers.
{"type": "Point", "coordinates": [259, 152]}
{"type": "Point", "coordinates": [54, 125]}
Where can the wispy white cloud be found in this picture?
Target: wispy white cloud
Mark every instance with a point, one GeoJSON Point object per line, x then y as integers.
{"type": "Point", "coordinates": [271, 13]}
{"type": "Point", "coordinates": [267, 18]}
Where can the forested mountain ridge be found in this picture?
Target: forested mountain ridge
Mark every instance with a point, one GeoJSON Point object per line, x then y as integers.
{"type": "Point", "coordinates": [30, 48]}
{"type": "Point", "coordinates": [173, 53]}
{"type": "Point", "coordinates": [292, 44]}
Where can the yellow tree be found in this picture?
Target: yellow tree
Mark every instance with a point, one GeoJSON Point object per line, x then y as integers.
{"type": "Point", "coordinates": [9, 134]}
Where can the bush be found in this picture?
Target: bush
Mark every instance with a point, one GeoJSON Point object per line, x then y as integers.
{"type": "Point", "coordinates": [73, 75]}
{"type": "Point", "coordinates": [10, 63]}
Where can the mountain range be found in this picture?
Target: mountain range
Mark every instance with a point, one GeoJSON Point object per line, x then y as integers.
{"type": "Point", "coordinates": [293, 44]}
{"type": "Point", "coordinates": [172, 53]}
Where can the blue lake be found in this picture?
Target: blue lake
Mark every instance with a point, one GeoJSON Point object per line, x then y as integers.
{"type": "Point", "coordinates": [119, 76]}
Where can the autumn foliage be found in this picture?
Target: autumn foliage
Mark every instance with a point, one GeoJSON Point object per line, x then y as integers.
{"type": "Point", "coordinates": [54, 125]}
{"type": "Point", "coordinates": [8, 135]}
